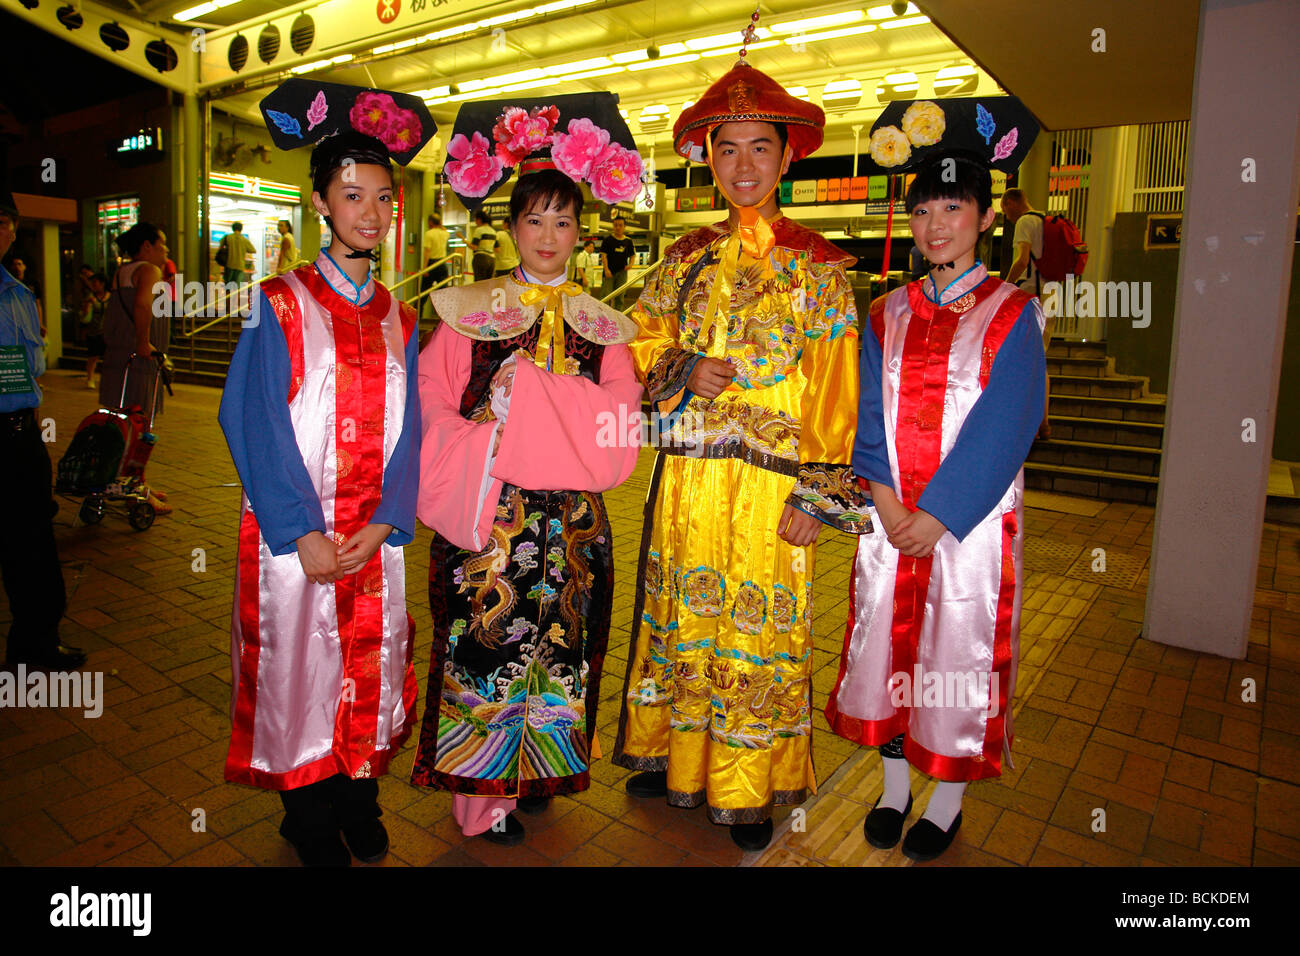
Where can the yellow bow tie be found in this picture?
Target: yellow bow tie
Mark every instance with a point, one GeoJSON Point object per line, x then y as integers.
{"type": "Point", "coordinates": [550, 341]}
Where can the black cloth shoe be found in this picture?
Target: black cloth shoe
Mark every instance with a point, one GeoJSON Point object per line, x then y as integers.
{"type": "Point", "coordinates": [511, 835]}
{"type": "Point", "coordinates": [925, 841]}
{"type": "Point", "coordinates": [532, 805]}
{"type": "Point", "coordinates": [752, 836]}
{"type": "Point", "coordinates": [367, 839]}
{"type": "Point", "coordinates": [316, 845]}
{"type": "Point", "coordinates": [884, 825]}
{"type": "Point", "coordinates": [60, 657]}
{"type": "Point", "coordinates": [651, 783]}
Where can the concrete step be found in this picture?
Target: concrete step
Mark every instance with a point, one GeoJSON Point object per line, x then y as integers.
{"type": "Point", "coordinates": [1149, 409]}
{"type": "Point", "coordinates": [1091, 483]}
{"type": "Point", "coordinates": [1114, 386]}
{"type": "Point", "coordinates": [1073, 348]}
{"type": "Point", "coordinates": [1117, 459]}
{"type": "Point", "coordinates": [1108, 432]}
{"type": "Point", "coordinates": [1079, 366]}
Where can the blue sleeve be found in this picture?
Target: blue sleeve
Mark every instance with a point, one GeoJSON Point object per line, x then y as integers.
{"type": "Point", "coordinates": [255, 418]}
{"type": "Point", "coordinates": [997, 434]}
{"type": "Point", "coordinates": [870, 451]}
{"type": "Point", "coordinates": [402, 476]}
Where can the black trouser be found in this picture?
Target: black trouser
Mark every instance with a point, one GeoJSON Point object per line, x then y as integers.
{"type": "Point", "coordinates": [484, 264]}
{"type": "Point", "coordinates": [29, 560]}
{"type": "Point", "coordinates": [332, 802]}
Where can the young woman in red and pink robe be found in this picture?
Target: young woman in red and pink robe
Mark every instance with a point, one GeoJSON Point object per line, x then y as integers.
{"type": "Point", "coordinates": [531, 407]}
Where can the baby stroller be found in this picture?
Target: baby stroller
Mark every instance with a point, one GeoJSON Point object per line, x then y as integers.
{"type": "Point", "coordinates": [106, 460]}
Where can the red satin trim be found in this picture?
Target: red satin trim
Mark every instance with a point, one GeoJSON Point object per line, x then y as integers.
{"type": "Point", "coordinates": [410, 321]}
{"type": "Point", "coordinates": [288, 313]}
{"type": "Point", "coordinates": [832, 712]}
{"type": "Point", "coordinates": [360, 354]}
{"type": "Point", "coordinates": [1003, 646]}
{"type": "Point", "coordinates": [998, 329]}
{"type": "Point", "coordinates": [244, 705]}
{"type": "Point", "coordinates": [950, 768]}
{"type": "Point", "coordinates": [317, 770]}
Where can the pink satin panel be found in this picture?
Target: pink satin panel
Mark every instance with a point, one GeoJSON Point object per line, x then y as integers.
{"type": "Point", "coordinates": [297, 696]}
{"type": "Point", "coordinates": [474, 815]}
{"type": "Point", "coordinates": [971, 612]}
{"type": "Point", "coordinates": [554, 439]}
{"type": "Point", "coordinates": [453, 449]}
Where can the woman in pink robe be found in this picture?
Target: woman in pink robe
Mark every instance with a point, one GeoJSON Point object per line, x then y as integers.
{"type": "Point", "coordinates": [530, 403]}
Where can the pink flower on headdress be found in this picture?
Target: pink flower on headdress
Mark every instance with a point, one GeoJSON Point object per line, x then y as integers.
{"type": "Point", "coordinates": [616, 174]}
{"type": "Point", "coordinates": [477, 170]}
{"type": "Point", "coordinates": [574, 152]}
{"type": "Point", "coordinates": [377, 115]}
{"type": "Point", "coordinates": [403, 132]}
{"type": "Point", "coordinates": [519, 132]}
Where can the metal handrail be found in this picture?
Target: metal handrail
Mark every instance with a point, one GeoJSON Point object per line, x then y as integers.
{"type": "Point", "coordinates": [236, 294]}
{"type": "Point", "coordinates": [437, 285]}
{"type": "Point", "coordinates": [428, 268]}
{"type": "Point", "coordinates": [650, 270]}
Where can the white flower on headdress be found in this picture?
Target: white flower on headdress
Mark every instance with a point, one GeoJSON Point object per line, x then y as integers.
{"type": "Point", "coordinates": [890, 146]}
{"type": "Point", "coordinates": [924, 123]}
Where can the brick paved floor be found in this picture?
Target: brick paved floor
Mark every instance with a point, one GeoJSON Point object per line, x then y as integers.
{"type": "Point", "coordinates": [1158, 738]}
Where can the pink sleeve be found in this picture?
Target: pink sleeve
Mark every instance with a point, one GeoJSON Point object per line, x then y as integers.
{"type": "Point", "coordinates": [454, 483]}
{"type": "Point", "coordinates": [565, 433]}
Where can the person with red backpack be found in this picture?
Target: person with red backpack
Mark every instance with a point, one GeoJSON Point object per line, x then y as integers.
{"type": "Point", "coordinates": [1047, 248]}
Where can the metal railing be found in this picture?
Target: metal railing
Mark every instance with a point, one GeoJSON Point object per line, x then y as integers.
{"type": "Point", "coordinates": [639, 278]}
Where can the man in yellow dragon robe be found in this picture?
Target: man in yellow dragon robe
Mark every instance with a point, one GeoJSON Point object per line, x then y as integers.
{"type": "Point", "coordinates": [748, 346]}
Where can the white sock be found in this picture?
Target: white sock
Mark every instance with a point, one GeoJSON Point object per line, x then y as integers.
{"type": "Point", "coordinates": [945, 803]}
{"type": "Point", "coordinates": [898, 783]}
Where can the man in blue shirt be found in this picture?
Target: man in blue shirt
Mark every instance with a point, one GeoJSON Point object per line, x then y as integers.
{"type": "Point", "coordinates": [29, 560]}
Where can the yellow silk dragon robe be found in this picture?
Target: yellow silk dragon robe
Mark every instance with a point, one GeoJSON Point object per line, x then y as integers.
{"type": "Point", "coordinates": [719, 689]}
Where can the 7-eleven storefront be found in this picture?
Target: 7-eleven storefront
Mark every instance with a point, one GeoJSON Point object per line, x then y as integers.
{"type": "Point", "coordinates": [260, 204]}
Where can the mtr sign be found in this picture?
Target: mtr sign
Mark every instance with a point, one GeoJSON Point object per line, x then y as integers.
{"type": "Point", "coordinates": [387, 10]}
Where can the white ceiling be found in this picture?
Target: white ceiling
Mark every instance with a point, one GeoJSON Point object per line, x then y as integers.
{"type": "Point", "coordinates": [610, 27]}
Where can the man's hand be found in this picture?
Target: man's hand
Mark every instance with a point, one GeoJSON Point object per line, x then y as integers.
{"type": "Point", "coordinates": [710, 377]}
{"type": "Point", "coordinates": [797, 528]}
{"type": "Point", "coordinates": [917, 534]}
{"type": "Point", "coordinates": [319, 558]}
{"type": "Point", "coordinates": [356, 552]}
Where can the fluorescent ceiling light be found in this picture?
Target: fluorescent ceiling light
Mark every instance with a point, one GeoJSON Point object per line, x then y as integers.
{"type": "Point", "coordinates": [658, 109]}
{"type": "Point", "coordinates": [341, 58]}
{"type": "Point", "coordinates": [580, 76]}
{"type": "Point", "coordinates": [954, 71]}
{"type": "Point", "coordinates": [907, 87]}
{"type": "Point", "coordinates": [631, 56]}
{"type": "Point", "coordinates": [906, 76]}
{"type": "Point", "coordinates": [308, 67]}
{"type": "Point", "coordinates": [224, 3]}
{"type": "Point", "coordinates": [829, 34]}
{"type": "Point", "coordinates": [673, 49]}
{"type": "Point", "coordinates": [731, 50]}
{"type": "Point", "coordinates": [687, 104]}
{"type": "Point", "coordinates": [906, 22]}
{"type": "Point", "coordinates": [506, 79]}
{"type": "Point", "coordinates": [885, 12]}
{"type": "Point", "coordinates": [842, 86]}
{"type": "Point", "coordinates": [663, 61]}
{"type": "Point", "coordinates": [561, 5]}
{"type": "Point", "coordinates": [382, 49]}
{"type": "Point", "coordinates": [507, 18]}
{"type": "Point", "coordinates": [798, 92]}
{"type": "Point", "coordinates": [813, 23]}
{"type": "Point", "coordinates": [531, 84]}
{"type": "Point", "coordinates": [434, 93]}
{"type": "Point", "coordinates": [193, 12]}
{"type": "Point", "coordinates": [577, 66]}
{"type": "Point", "coordinates": [452, 31]}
